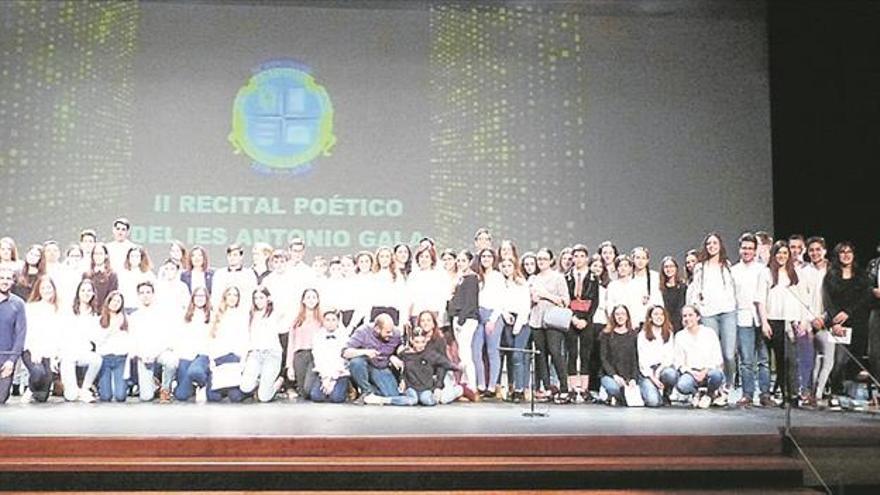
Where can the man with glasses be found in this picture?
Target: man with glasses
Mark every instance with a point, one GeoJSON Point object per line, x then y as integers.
{"type": "Point", "coordinates": [13, 328]}
{"type": "Point", "coordinates": [752, 347]}
{"type": "Point", "coordinates": [118, 248]}
{"type": "Point", "coordinates": [300, 275]}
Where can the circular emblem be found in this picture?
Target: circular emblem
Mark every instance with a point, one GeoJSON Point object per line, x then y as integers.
{"type": "Point", "coordinates": [282, 118]}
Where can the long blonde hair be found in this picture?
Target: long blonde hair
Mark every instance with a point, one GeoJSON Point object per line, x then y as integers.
{"type": "Point", "coordinates": [222, 308]}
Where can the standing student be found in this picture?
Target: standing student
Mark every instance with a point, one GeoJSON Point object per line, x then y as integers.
{"type": "Point", "coordinates": [172, 295]}
{"type": "Point", "coordinates": [319, 268]}
{"type": "Point", "coordinates": [403, 259]}
{"type": "Point", "coordinates": [200, 273]}
{"type": "Point", "coordinates": [583, 291]}
{"type": "Point", "coordinates": [68, 276]}
{"type": "Point", "coordinates": [113, 343]}
{"type": "Point", "coordinates": [620, 365]}
{"type": "Point", "coordinates": [260, 254]}
{"type": "Point", "coordinates": [609, 253]}
{"type": "Point", "coordinates": [624, 290]}
{"type": "Point", "coordinates": [798, 247]}
{"type": "Point", "coordinates": [754, 359]}
{"type": "Point", "coordinates": [482, 240]}
{"type": "Point", "coordinates": [673, 289]}
{"type": "Point", "coordinates": [428, 287]}
{"type": "Point", "coordinates": [647, 281]}
{"type": "Point", "coordinates": [135, 269]}
{"type": "Point", "coordinates": [549, 290]}
{"type": "Point", "coordinates": [177, 253]}
{"type": "Point", "coordinates": [331, 369]}
{"type": "Point", "coordinates": [118, 248]}
{"type": "Point", "coordinates": [765, 243]}
{"type": "Point", "coordinates": [712, 292]}
{"type": "Point", "coordinates": [874, 318]}
{"type": "Point", "coordinates": [698, 360]}
{"type": "Point", "coordinates": [565, 260]}
{"type": "Point", "coordinates": [507, 249]}
{"type": "Point", "coordinates": [32, 268]}
{"type": "Point", "coordinates": [227, 347]}
{"type": "Point", "coordinates": [656, 352]}
{"type": "Point", "coordinates": [300, 362]}
{"type": "Point", "coordinates": [233, 274]}
{"type": "Point", "coordinates": [361, 287]}
{"type": "Point", "coordinates": [44, 325]}
{"type": "Point", "coordinates": [337, 292]}
{"type": "Point", "coordinates": [13, 330]}
{"type": "Point", "coordinates": [824, 358]}
{"type": "Point", "coordinates": [780, 297]}
{"type": "Point", "coordinates": [191, 346]}
{"type": "Point", "coordinates": [465, 316]}
{"type": "Point", "coordinates": [516, 305]}
{"type": "Point", "coordinates": [388, 288]}
{"type": "Point", "coordinates": [846, 295]}
{"type": "Point", "coordinates": [77, 345]}
{"type": "Point", "coordinates": [598, 275]}
{"type": "Point", "coordinates": [9, 254]}
{"type": "Point", "coordinates": [298, 275]}
{"type": "Point", "coordinates": [153, 331]}
{"type": "Point", "coordinates": [88, 238]}
{"type": "Point", "coordinates": [263, 361]}
{"type": "Point", "coordinates": [487, 337]}
{"type": "Point", "coordinates": [101, 274]}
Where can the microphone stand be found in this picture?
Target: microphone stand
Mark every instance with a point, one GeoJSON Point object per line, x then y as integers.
{"type": "Point", "coordinates": [531, 413]}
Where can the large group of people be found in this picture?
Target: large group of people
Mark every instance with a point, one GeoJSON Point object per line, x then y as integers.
{"type": "Point", "coordinates": [417, 325]}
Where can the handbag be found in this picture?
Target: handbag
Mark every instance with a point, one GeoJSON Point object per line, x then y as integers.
{"type": "Point", "coordinates": [632, 395]}
{"type": "Point", "coordinates": [558, 318]}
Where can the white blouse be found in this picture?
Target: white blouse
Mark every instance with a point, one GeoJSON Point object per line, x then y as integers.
{"type": "Point", "coordinates": [44, 325]}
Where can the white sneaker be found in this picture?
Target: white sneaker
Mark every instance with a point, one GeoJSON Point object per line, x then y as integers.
{"type": "Point", "coordinates": [721, 400]}
{"type": "Point", "coordinates": [85, 395]}
{"type": "Point", "coordinates": [704, 402]}
{"type": "Point", "coordinates": [375, 400]}
{"type": "Point", "coordinates": [201, 395]}
{"type": "Point", "coordinates": [27, 397]}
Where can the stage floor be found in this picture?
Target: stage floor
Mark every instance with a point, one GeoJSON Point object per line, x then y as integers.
{"type": "Point", "coordinates": [306, 419]}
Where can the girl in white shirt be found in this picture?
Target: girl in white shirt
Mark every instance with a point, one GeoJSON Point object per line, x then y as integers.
{"type": "Point", "coordinates": [698, 359]}
{"type": "Point", "coordinates": [191, 345]}
{"type": "Point", "coordinates": [625, 291]}
{"type": "Point", "coordinates": [515, 308]}
{"type": "Point", "coordinates": [656, 351]}
{"type": "Point", "coordinates": [782, 301]}
{"type": "Point", "coordinates": [427, 287]}
{"type": "Point", "coordinates": [44, 324]}
{"type": "Point", "coordinates": [264, 357]}
{"type": "Point", "coordinates": [361, 284]}
{"type": "Point", "coordinates": [172, 295]}
{"type": "Point", "coordinates": [113, 344]}
{"type": "Point", "coordinates": [76, 345]}
{"type": "Point", "coordinates": [488, 333]}
{"type": "Point", "coordinates": [713, 293]}
{"type": "Point", "coordinates": [227, 347]}
{"type": "Point", "coordinates": [389, 288]}
{"type": "Point", "coordinates": [136, 268]}
{"type": "Point", "coordinates": [609, 253]}
{"type": "Point", "coordinates": [647, 280]}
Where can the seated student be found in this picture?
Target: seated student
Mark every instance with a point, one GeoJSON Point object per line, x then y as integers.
{"type": "Point", "coordinates": [656, 350]}
{"type": "Point", "coordinates": [331, 383]}
{"type": "Point", "coordinates": [44, 324]}
{"type": "Point", "coordinates": [113, 343]}
{"type": "Point", "coordinates": [619, 361]}
{"type": "Point", "coordinates": [452, 388]}
{"type": "Point", "coordinates": [424, 370]}
{"type": "Point", "coordinates": [227, 348]}
{"type": "Point", "coordinates": [151, 329]}
{"type": "Point", "coordinates": [370, 351]}
{"type": "Point", "coordinates": [191, 347]}
{"type": "Point", "coordinates": [263, 361]}
{"type": "Point", "coordinates": [698, 359]}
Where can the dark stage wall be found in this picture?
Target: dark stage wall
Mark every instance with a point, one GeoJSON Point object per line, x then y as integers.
{"type": "Point", "coordinates": [825, 113]}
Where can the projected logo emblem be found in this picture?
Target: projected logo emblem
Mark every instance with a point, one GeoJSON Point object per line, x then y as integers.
{"type": "Point", "coordinates": [282, 119]}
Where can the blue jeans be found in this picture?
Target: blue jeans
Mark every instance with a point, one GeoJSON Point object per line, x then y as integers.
{"type": "Point", "coordinates": [688, 385]}
{"type": "Point", "coordinates": [752, 352]}
{"type": "Point", "coordinates": [189, 372]}
{"type": "Point", "coordinates": [372, 380]}
{"type": "Point", "coordinates": [412, 397]}
{"type": "Point", "coordinates": [336, 396]}
{"type": "Point", "coordinates": [724, 325]}
{"type": "Point", "coordinates": [520, 362]}
{"type": "Point", "coordinates": [650, 394]}
{"type": "Point", "coordinates": [612, 388]}
{"type": "Point", "coordinates": [491, 341]}
{"type": "Point", "coordinates": [111, 381]}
